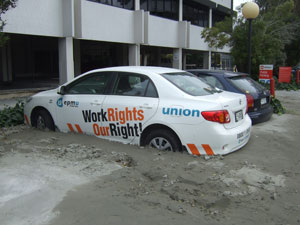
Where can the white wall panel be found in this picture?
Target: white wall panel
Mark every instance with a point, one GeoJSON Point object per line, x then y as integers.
{"type": "Point", "coordinates": [197, 43]}
{"type": "Point", "coordinates": [106, 23]}
{"type": "Point", "coordinates": [35, 17]}
{"type": "Point", "coordinates": [162, 32]}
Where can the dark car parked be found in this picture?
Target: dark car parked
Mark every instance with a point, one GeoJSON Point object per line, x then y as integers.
{"type": "Point", "coordinates": [258, 97]}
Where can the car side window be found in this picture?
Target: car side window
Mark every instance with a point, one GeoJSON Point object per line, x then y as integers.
{"type": "Point", "coordinates": [151, 90]}
{"type": "Point", "coordinates": [93, 84]}
{"type": "Point", "coordinates": [133, 85]}
{"type": "Point", "coordinates": [213, 81]}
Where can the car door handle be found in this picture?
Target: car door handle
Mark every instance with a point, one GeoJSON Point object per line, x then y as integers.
{"type": "Point", "coordinates": [95, 104]}
{"type": "Point", "coordinates": [145, 106]}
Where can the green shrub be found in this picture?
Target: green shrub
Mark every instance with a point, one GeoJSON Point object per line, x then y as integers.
{"type": "Point", "coordinates": [12, 116]}
{"type": "Point", "coordinates": [277, 107]}
{"type": "Point", "coordinates": [286, 86]}
{"type": "Point", "coordinates": [283, 86]}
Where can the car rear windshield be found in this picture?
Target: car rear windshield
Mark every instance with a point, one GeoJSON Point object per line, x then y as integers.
{"type": "Point", "coordinates": [246, 84]}
{"type": "Point", "coordinates": [190, 84]}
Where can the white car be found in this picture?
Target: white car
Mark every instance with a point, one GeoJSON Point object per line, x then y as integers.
{"type": "Point", "coordinates": [166, 108]}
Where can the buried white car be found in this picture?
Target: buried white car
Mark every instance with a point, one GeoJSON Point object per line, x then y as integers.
{"type": "Point", "coordinates": [165, 108]}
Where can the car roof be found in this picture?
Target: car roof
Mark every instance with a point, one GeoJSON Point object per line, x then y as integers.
{"type": "Point", "coordinates": [224, 73]}
{"type": "Point", "coordinates": [139, 69]}
{"type": "Point", "coordinates": [148, 70]}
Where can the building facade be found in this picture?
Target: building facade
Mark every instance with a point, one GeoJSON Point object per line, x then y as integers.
{"type": "Point", "coordinates": [56, 40]}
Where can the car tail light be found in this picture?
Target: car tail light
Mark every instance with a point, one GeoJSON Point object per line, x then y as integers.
{"type": "Point", "coordinates": [219, 116]}
{"type": "Point", "coordinates": [250, 101]}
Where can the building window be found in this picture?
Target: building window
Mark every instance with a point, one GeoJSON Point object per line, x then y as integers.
{"type": "Point", "coordinates": [197, 14]}
{"type": "Point", "coordinates": [163, 8]}
{"type": "Point", "coordinates": [217, 17]}
{"type": "Point", "coordinates": [125, 4]}
{"type": "Point", "coordinates": [220, 61]}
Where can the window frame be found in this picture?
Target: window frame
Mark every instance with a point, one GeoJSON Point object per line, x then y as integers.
{"type": "Point", "coordinates": [152, 7]}
{"type": "Point", "coordinates": [196, 13]}
{"type": "Point", "coordinates": [111, 3]}
{"type": "Point", "coordinates": [114, 84]}
{"type": "Point", "coordinates": [87, 76]}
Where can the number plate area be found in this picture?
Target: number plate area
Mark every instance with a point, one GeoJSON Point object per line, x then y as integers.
{"type": "Point", "coordinates": [238, 115]}
{"type": "Point", "coordinates": [243, 135]}
{"type": "Point", "coordinates": [263, 101]}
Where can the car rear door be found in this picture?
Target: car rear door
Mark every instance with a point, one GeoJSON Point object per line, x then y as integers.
{"type": "Point", "coordinates": [133, 101]}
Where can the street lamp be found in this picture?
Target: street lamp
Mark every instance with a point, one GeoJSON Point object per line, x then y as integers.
{"type": "Point", "coordinates": [250, 11]}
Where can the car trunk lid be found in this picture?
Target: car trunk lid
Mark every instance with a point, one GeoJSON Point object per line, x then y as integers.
{"type": "Point", "coordinates": [235, 104]}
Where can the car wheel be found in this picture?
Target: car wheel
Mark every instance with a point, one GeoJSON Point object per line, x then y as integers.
{"type": "Point", "coordinates": [163, 140]}
{"type": "Point", "coordinates": [44, 121]}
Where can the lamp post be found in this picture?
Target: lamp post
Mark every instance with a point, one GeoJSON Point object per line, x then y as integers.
{"type": "Point", "coordinates": [250, 11]}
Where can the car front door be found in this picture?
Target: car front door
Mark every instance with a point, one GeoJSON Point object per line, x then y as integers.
{"type": "Point", "coordinates": [80, 108]}
{"type": "Point", "coordinates": [132, 103]}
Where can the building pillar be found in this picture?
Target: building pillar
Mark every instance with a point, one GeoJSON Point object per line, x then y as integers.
{"type": "Point", "coordinates": [134, 55]}
{"type": "Point", "coordinates": [77, 57]}
{"type": "Point", "coordinates": [207, 60]}
{"type": "Point", "coordinates": [180, 10]}
{"type": "Point", "coordinates": [6, 63]}
{"type": "Point", "coordinates": [136, 4]}
{"type": "Point", "coordinates": [177, 58]}
{"type": "Point", "coordinates": [184, 61]}
{"type": "Point", "coordinates": [210, 18]}
{"type": "Point", "coordinates": [145, 61]}
{"type": "Point", "coordinates": [66, 61]}
{"type": "Point", "coordinates": [210, 26]}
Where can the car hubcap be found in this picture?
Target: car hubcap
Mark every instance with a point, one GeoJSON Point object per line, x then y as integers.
{"type": "Point", "coordinates": [40, 123]}
{"type": "Point", "coordinates": [161, 144]}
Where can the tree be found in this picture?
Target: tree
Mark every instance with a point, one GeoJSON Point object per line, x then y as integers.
{"type": "Point", "coordinates": [292, 49]}
{"type": "Point", "coordinates": [274, 28]}
{"type": "Point", "coordinates": [5, 5]}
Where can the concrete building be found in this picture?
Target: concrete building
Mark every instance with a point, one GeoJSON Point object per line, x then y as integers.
{"type": "Point", "coordinates": [56, 40]}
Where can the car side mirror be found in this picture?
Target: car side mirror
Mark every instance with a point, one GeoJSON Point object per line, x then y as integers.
{"type": "Point", "coordinates": [61, 90]}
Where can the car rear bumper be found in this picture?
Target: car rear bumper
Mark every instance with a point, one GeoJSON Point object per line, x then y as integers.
{"type": "Point", "coordinates": [216, 140]}
{"type": "Point", "coordinates": [261, 115]}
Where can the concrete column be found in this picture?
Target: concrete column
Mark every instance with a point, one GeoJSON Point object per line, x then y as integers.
{"type": "Point", "coordinates": [134, 55]}
{"type": "Point", "coordinates": [77, 57]}
{"type": "Point", "coordinates": [210, 26]}
{"type": "Point", "coordinates": [6, 63]}
{"type": "Point", "coordinates": [180, 10]}
{"type": "Point", "coordinates": [210, 18]}
{"type": "Point", "coordinates": [177, 58]}
{"type": "Point", "coordinates": [145, 63]}
{"type": "Point", "coordinates": [66, 61]}
{"type": "Point", "coordinates": [184, 61]}
{"type": "Point", "coordinates": [207, 60]}
{"type": "Point", "coordinates": [136, 4]}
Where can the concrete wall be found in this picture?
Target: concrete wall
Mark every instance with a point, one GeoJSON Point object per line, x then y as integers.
{"type": "Point", "coordinates": [161, 32]}
{"type": "Point", "coordinates": [106, 23]}
{"type": "Point", "coordinates": [87, 20]}
{"type": "Point", "coordinates": [195, 40]}
{"type": "Point", "coordinates": [197, 43]}
{"type": "Point", "coordinates": [36, 17]}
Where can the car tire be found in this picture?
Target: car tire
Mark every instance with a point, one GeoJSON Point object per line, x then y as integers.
{"type": "Point", "coordinates": [163, 139]}
{"type": "Point", "coordinates": [44, 121]}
